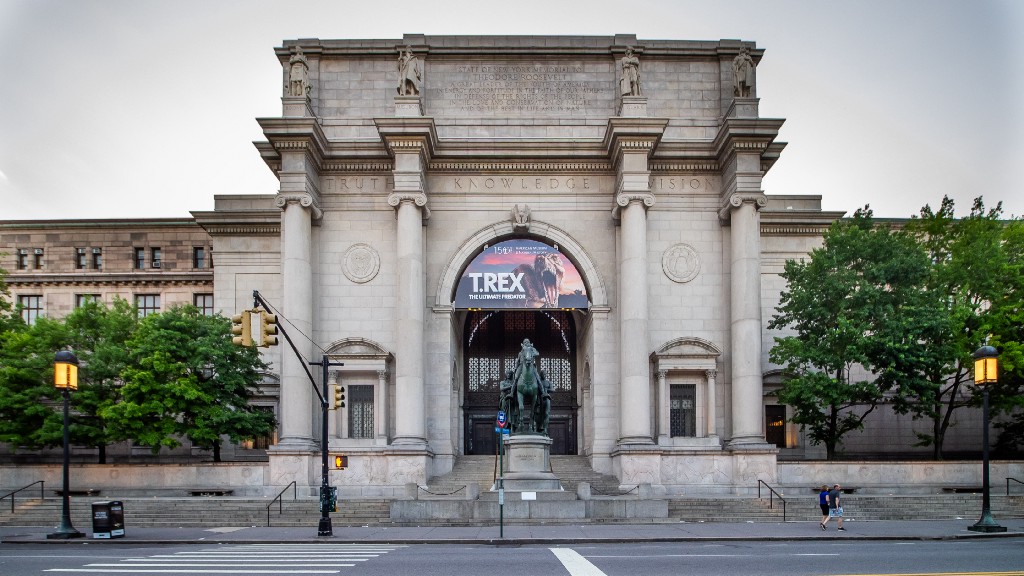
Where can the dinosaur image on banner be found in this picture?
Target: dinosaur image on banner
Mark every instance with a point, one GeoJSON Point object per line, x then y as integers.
{"type": "Point", "coordinates": [521, 274]}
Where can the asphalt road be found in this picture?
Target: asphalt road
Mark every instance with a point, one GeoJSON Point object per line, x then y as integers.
{"type": "Point", "coordinates": [976, 557]}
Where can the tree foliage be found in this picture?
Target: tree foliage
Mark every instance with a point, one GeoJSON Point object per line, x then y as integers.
{"type": "Point", "coordinates": [972, 280]}
{"type": "Point", "coordinates": [855, 302]}
{"type": "Point", "coordinates": [186, 379]}
{"type": "Point", "coordinates": [172, 375]}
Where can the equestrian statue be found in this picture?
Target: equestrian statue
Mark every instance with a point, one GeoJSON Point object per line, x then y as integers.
{"type": "Point", "coordinates": [526, 385]}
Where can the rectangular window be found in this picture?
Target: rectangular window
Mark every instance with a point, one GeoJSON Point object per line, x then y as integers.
{"type": "Point", "coordinates": [360, 411]}
{"type": "Point", "coordinates": [775, 424]}
{"type": "Point", "coordinates": [157, 258]}
{"type": "Point", "coordinates": [81, 260]}
{"type": "Point", "coordinates": [140, 258]}
{"type": "Point", "coordinates": [199, 257]}
{"type": "Point", "coordinates": [38, 258]}
{"type": "Point", "coordinates": [204, 302]}
{"type": "Point", "coordinates": [263, 442]}
{"type": "Point", "coordinates": [83, 299]}
{"type": "Point", "coordinates": [22, 263]}
{"type": "Point", "coordinates": [31, 308]}
{"type": "Point", "coordinates": [97, 258]}
{"type": "Point", "coordinates": [683, 410]}
{"type": "Point", "coordinates": [147, 304]}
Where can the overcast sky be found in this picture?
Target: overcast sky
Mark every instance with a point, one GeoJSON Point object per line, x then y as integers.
{"type": "Point", "coordinates": [113, 109]}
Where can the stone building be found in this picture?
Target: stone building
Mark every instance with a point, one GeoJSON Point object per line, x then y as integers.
{"type": "Point", "coordinates": [422, 179]}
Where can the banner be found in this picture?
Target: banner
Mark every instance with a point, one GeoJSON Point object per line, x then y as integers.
{"type": "Point", "coordinates": [521, 274]}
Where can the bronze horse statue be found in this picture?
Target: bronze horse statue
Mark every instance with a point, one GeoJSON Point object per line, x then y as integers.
{"type": "Point", "coordinates": [525, 386]}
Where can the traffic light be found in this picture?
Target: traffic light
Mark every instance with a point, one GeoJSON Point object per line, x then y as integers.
{"type": "Point", "coordinates": [241, 327]}
{"type": "Point", "coordinates": [339, 396]}
{"type": "Point", "coordinates": [340, 461]}
{"type": "Point", "coordinates": [268, 327]}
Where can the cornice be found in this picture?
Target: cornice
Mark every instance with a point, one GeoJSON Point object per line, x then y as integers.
{"type": "Point", "coordinates": [204, 279]}
{"type": "Point", "coordinates": [739, 135]}
{"type": "Point", "coordinates": [498, 167]}
{"type": "Point", "coordinates": [408, 134]}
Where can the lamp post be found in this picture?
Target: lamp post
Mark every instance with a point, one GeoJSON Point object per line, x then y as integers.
{"type": "Point", "coordinates": [65, 378]}
{"type": "Point", "coordinates": [985, 367]}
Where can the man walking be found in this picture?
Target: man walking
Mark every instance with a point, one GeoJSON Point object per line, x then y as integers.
{"type": "Point", "coordinates": [835, 507]}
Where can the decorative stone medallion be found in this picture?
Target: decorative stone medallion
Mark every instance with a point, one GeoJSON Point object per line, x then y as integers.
{"type": "Point", "coordinates": [681, 263]}
{"type": "Point", "coordinates": [361, 263]}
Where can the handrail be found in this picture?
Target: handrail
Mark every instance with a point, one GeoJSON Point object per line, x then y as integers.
{"type": "Point", "coordinates": [1008, 484]}
{"type": "Point", "coordinates": [42, 491]}
{"type": "Point", "coordinates": [771, 497]}
{"type": "Point", "coordinates": [295, 496]}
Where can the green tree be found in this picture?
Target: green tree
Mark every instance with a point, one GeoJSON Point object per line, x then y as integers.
{"type": "Point", "coordinates": [98, 334]}
{"type": "Point", "coordinates": [856, 304]}
{"type": "Point", "coordinates": [186, 379]}
{"type": "Point", "coordinates": [1007, 330]}
{"type": "Point", "coordinates": [29, 403]}
{"type": "Point", "coordinates": [30, 406]}
{"type": "Point", "coordinates": [971, 281]}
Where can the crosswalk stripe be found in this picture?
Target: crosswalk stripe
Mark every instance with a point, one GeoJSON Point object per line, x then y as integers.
{"type": "Point", "coordinates": [576, 564]}
{"type": "Point", "coordinates": [245, 559]}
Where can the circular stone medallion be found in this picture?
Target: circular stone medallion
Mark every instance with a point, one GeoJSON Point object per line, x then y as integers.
{"type": "Point", "coordinates": [361, 263]}
{"type": "Point", "coordinates": [680, 263]}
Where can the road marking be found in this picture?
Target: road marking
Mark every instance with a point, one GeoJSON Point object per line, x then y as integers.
{"type": "Point", "coordinates": [576, 565]}
{"type": "Point", "coordinates": [244, 559]}
{"type": "Point", "coordinates": [1014, 573]}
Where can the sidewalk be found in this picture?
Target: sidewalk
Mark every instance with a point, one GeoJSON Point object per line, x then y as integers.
{"type": "Point", "coordinates": [541, 534]}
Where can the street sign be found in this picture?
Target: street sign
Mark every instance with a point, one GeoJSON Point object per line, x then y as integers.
{"type": "Point", "coordinates": [500, 430]}
{"type": "Point", "coordinates": [501, 418]}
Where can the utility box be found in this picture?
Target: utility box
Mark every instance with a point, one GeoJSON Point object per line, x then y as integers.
{"type": "Point", "coordinates": [108, 519]}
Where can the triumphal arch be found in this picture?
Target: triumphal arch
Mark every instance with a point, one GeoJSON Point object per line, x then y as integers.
{"type": "Point", "coordinates": [442, 198]}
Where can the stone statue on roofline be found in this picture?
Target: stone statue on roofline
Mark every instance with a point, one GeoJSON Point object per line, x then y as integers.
{"type": "Point", "coordinates": [409, 74]}
{"type": "Point", "coordinates": [629, 85]}
{"type": "Point", "coordinates": [743, 73]}
{"type": "Point", "coordinates": [298, 73]}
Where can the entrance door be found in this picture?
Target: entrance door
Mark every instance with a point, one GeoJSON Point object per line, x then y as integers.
{"type": "Point", "coordinates": [491, 343]}
{"type": "Point", "coordinates": [775, 425]}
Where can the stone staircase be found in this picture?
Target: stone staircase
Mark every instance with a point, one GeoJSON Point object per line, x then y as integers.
{"type": "Point", "coordinates": [570, 470]}
{"type": "Point", "coordinates": [197, 512]}
{"type": "Point", "coordinates": [855, 506]}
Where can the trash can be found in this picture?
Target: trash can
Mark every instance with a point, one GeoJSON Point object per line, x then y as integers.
{"type": "Point", "coordinates": [108, 519]}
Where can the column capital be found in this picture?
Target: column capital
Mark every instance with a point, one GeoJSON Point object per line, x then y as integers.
{"type": "Point", "coordinates": [419, 199]}
{"type": "Point", "coordinates": [734, 201]}
{"type": "Point", "coordinates": [710, 375]}
{"type": "Point", "coordinates": [304, 199]}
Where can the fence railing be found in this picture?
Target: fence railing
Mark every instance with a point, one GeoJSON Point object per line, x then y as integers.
{"type": "Point", "coordinates": [280, 508]}
{"type": "Point", "coordinates": [1008, 480]}
{"type": "Point", "coordinates": [772, 494]}
{"type": "Point", "coordinates": [12, 493]}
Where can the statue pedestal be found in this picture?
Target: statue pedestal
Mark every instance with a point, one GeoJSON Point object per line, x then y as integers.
{"type": "Point", "coordinates": [743, 108]}
{"type": "Point", "coordinates": [529, 466]}
{"type": "Point", "coordinates": [633, 107]}
{"type": "Point", "coordinates": [297, 106]}
{"type": "Point", "coordinates": [406, 106]}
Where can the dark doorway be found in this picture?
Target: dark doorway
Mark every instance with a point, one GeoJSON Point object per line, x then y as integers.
{"type": "Point", "coordinates": [775, 425]}
{"type": "Point", "coordinates": [491, 343]}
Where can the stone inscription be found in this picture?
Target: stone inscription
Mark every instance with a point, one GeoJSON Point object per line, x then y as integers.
{"type": "Point", "coordinates": [513, 184]}
{"type": "Point", "coordinates": [518, 89]}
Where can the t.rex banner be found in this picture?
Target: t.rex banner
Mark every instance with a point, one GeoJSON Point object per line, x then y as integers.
{"type": "Point", "coordinates": [521, 274]}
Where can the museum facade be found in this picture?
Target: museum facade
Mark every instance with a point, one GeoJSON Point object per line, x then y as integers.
{"type": "Point", "coordinates": [443, 198]}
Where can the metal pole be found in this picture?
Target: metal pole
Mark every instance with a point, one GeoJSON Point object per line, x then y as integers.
{"type": "Point", "coordinates": [986, 523]}
{"type": "Point", "coordinates": [325, 490]}
{"type": "Point", "coordinates": [66, 530]}
{"type": "Point", "coordinates": [501, 484]}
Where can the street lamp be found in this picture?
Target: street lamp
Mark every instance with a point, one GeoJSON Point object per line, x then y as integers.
{"type": "Point", "coordinates": [65, 378]}
{"type": "Point", "coordinates": [985, 367]}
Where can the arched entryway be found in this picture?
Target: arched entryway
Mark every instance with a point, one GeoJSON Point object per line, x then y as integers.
{"type": "Point", "coordinates": [491, 342]}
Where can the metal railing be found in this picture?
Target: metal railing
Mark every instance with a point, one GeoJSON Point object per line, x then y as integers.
{"type": "Point", "coordinates": [278, 499]}
{"type": "Point", "coordinates": [11, 494]}
{"type": "Point", "coordinates": [1008, 484]}
{"type": "Point", "coordinates": [772, 494]}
